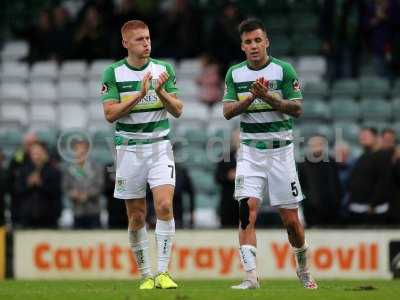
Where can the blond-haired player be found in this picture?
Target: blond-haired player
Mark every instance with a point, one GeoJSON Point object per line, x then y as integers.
{"type": "Point", "coordinates": [137, 93]}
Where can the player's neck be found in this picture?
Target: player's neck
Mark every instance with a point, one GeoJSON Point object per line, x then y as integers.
{"type": "Point", "coordinates": [136, 62]}
{"type": "Point", "coordinates": [259, 64]}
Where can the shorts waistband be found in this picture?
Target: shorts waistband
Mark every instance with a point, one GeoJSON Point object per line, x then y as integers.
{"type": "Point", "coordinates": [266, 144]}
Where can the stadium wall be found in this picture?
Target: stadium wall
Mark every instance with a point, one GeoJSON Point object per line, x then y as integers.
{"type": "Point", "coordinates": [202, 254]}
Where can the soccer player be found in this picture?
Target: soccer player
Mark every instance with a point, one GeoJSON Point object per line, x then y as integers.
{"type": "Point", "coordinates": [265, 92]}
{"type": "Point", "coordinates": [137, 92]}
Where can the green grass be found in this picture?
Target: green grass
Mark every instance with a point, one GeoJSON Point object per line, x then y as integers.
{"type": "Point", "coordinates": [198, 290]}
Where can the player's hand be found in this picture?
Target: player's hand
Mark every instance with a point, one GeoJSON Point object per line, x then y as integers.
{"type": "Point", "coordinates": [162, 79]}
{"type": "Point", "coordinates": [259, 88]}
{"type": "Point", "coordinates": [145, 84]}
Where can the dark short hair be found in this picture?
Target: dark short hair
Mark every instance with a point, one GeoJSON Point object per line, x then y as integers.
{"type": "Point", "coordinates": [251, 24]}
{"type": "Point", "coordinates": [389, 130]}
{"type": "Point", "coordinates": [373, 130]}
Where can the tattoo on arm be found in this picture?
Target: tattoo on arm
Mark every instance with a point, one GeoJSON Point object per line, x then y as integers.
{"type": "Point", "coordinates": [232, 109]}
{"type": "Point", "coordinates": [290, 107]}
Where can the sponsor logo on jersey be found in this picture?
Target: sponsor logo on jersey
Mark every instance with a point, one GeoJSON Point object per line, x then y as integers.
{"type": "Point", "coordinates": [104, 88]}
{"type": "Point", "coordinates": [296, 85]}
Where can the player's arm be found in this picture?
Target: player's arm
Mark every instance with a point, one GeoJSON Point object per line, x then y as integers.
{"type": "Point", "coordinates": [234, 108]}
{"type": "Point", "coordinates": [113, 109]}
{"type": "Point", "coordinates": [166, 90]}
{"type": "Point", "coordinates": [290, 107]}
{"type": "Point", "coordinates": [232, 105]}
{"type": "Point", "coordinates": [290, 102]}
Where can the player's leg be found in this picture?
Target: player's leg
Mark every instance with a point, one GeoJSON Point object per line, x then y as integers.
{"type": "Point", "coordinates": [249, 187]}
{"type": "Point", "coordinates": [285, 194]}
{"type": "Point", "coordinates": [162, 183]}
{"type": "Point", "coordinates": [130, 185]}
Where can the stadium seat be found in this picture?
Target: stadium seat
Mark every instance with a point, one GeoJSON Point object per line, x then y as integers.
{"type": "Point", "coordinates": [345, 88]}
{"type": "Point", "coordinates": [395, 92]}
{"type": "Point", "coordinates": [43, 113]}
{"type": "Point", "coordinates": [14, 50]}
{"type": "Point", "coordinates": [43, 91]}
{"type": "Point", "coordinates": [102, 156]}
{"type": "Point", "coordinates": [345, 109]}
{"type": "Point", "coordinates": [72, 116]}
{"type": "Point", "coordinates": [374, 86]}
{"type": "Point", "coordinates": [379, 125]}
{"type": "Point", "coordinates": [305, 23]}
{"type": "Point", "coordinates": [396, 107]}
{"type": "Point", "coordinates": [376, 111]}
{"type": "Point", "coordinates": [195, 110]}
{"type": "Point", "coordinates": [188, 90]}
{"type": "Point", "coordinates": [188, 68]}
{"type": "Point", "coordinates": [97, 68]}
{"type": "Point", "coordinates": [276, 25]}
{"type": "Point", "coordinates": [14, 112]}
{"type": "Point", "coordinates": [73, 90]}
{"type": "Point", "coordinates": [302, 44]}
{"type": "Point", "coordinates": [103, 137]}
{"type": "Point", "coordinates": [94, 89]}
{"type": "Point", "coordinates": [46, 70]}
{"type": "Point", "coordinates": [346, 130]}
{"type": "Point", "coordinates": [14, 71]}
{"type": "Point", "coordinates": [95, 111]}
{"type": "Point", "coordinates": [318, 90]}
{"type": "Point", "coordinates": [10, 137]}
{"type": "Point", "coordinates": [73, 70]}
{"type": "Point", "coordinates": [280, 46]}
{"type": "Point", "coordinates": [196, 136]}
{"type": "Point", "coordinates": [48, 136]}
{"type": "Point", "coordinates": [316, 110]}
{"type": "Point", "coordinates": [13, 92]}
{"type": "Point", "coordinates": [311, 64]}
{"type": "Point", "coordinates": [396, 127]}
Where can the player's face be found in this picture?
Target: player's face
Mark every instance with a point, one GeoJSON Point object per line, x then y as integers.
{"type": "Point", "coordinates": [138, 42]}
{"type": "Point", "coordinates": [254, 45]}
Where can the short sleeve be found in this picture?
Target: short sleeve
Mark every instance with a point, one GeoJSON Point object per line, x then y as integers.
{"type": "Point", "coordinates": [170, 85]}
{"type": "Point", "coordinates": [230, 93]}
{"type": "Point", "coordinates": [291, 86]}
{"type": "Point", "coordinates": [109, 91]}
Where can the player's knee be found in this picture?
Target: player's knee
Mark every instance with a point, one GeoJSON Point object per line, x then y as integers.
{"type": "Point", "coordinates": [136, 218]}
{"type": "Point", "coordinates": [164, 208]}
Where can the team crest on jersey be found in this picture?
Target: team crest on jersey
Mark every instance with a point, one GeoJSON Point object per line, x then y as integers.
{"type": "Point", "coordinates": [104, 88]}
{"type": "Point", "coordinates": [296, 85]}
{"type": "Point", "coordinates": [272, 85]}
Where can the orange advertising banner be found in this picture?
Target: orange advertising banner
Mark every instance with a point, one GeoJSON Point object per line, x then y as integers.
{"type": "Point", "coordinates": [200, 254]}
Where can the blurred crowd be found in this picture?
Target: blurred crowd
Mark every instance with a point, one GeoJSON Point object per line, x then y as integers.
{"type": "Point", "coordinates": [348, 30]}
{"type": "Point", "coordinates": [339, 189]}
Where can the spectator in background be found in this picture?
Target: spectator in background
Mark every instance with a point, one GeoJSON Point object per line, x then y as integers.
{"type": "Point", "coordinates": [225, 25]}
{"type": "Point", "coordinates": [2, 189]}
{"type": "Point", "coordinates": [179, 32]}
{"type": "Point", "coordinates": [340, 28]}
{"type": "Point", "coordinates": [39, 188]}
{"type": "Point", "coordinates": [91, 38]}
{"type": "Point", "coordinates": [381, 17]}
{"type": "Point", "coordinates": [228, 209]}
{"type": "Point", "coordinates": [320, 183]}
{"type": "Point", "coordinates": [209, 81]}
{"type": "Point", "coordinates": [115, 207]}
{"type": "Point", "coordinates": [38, 37]}
{"type": "Point", "coordinates": [61, 34]}
{"type": "Point", "coordinates": [83, 183]}
{"type": "Point", "coordinates": [362, 187]}
{"type": "Point", "coordinates": [183, 186]}
{"type": "Point", "coordinates": [19, 160]}
{"type": "Point", "coordinates": [344, 162]}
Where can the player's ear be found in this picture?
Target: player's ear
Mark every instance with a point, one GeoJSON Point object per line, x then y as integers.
{"type": "Point", "coordinates": [124, 43]}
{"type": "Point", "coordinates": [267, 41]}
{"type": "Point", "coordinates": [242, 46]}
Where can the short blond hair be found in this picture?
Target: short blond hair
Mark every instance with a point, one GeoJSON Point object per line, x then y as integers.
{"type": "Point", "coordinates": [132, 25]}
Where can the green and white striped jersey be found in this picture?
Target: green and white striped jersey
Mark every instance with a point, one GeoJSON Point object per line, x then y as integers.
{"type": "Point", "coordinates": [147, 122]}
{"type": "Point", "coordinates": [261, 126]}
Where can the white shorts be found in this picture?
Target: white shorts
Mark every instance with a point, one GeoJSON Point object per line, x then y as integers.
{"type": "Point", "coordinates": [153, 164]}
{"type": "Point", "coordinates": [269, 172]}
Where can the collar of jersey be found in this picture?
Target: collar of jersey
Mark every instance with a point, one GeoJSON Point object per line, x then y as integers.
{"type": "Point", "coordinates": [262, 67]}
{"type": "Point", "coordinates": [136, 69]}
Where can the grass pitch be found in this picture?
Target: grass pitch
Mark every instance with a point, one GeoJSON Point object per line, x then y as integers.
{"type": "Point", "coordinates": [198, 290]}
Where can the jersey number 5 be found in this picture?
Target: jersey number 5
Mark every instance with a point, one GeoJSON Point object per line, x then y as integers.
{"type": "Point", "coordinates": [295, 191]}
